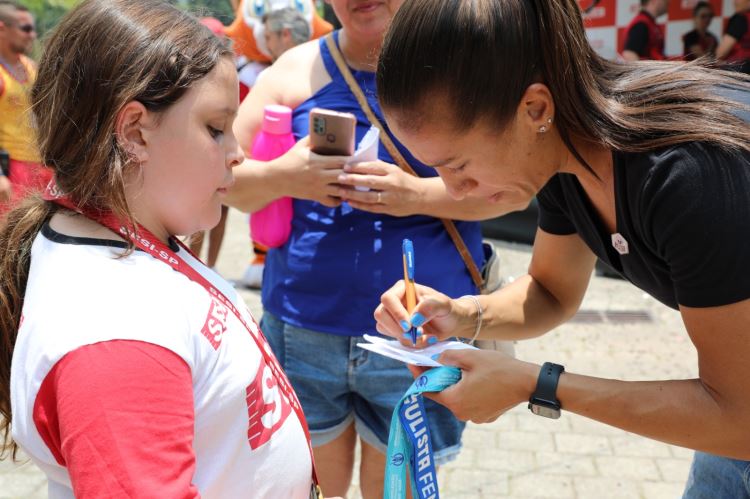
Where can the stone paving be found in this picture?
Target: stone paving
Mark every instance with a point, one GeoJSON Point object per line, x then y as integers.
{"type": "Point", "coordinates": [522, 455]}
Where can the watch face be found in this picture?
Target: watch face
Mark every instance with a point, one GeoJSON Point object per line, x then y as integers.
{"type": "Point", "coordinates": [545, 411]}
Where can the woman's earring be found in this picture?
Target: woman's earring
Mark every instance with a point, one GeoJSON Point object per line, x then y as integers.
{"type": "Point", "coordinates": [544, 128]}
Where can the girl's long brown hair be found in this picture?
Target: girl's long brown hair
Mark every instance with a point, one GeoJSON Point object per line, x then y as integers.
{"type": "Point", "coordinates": [102, 55]}
{"type": "Point", "coordinates": [480, 56]}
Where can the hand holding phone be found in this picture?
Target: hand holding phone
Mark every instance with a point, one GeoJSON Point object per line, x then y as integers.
{"type": "Point", "coordinates": [332, 132]}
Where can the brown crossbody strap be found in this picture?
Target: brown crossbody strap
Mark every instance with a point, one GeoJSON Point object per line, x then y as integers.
{"type": "Point", "coordinates": [455, 236]}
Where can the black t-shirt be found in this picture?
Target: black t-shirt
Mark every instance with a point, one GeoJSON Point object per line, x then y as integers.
{"type": "Point", "coordinates": [685, 213]}
{"type": "Point", "coordinates": [737, 26]}
{"type": "Point", "coordinates": [637, 39]}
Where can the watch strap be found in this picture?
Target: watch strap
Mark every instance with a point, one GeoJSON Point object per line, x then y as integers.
{"type": "Point", "coordinates": [546, 385]}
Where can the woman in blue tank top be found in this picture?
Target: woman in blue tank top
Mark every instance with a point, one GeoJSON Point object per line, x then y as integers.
{"type": "Point", "coordinates": [320, 288]}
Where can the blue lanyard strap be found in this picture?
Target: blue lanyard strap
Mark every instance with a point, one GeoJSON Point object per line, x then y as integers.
{"type": "Point", "coordinates": [409, 440]}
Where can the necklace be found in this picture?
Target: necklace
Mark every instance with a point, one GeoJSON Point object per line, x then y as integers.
{"type": "Point", "coordinates": [17, 70]}
{"type": "Point", "coordinates": [356, 64]}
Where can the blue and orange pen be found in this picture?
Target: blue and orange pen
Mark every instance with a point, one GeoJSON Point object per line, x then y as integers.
{"type": "Point", "coordinates": [411, 293]}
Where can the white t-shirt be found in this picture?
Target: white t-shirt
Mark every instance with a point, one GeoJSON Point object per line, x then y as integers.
{"type": "Point", "coordinates": [248, 441]}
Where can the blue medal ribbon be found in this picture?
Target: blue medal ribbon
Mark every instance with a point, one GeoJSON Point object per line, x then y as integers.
{"type": "Point", "coordinates": [409, 442]}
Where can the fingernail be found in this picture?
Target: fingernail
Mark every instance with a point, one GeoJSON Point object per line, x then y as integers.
{"type": "Point", "coordinates": [407, 335]}
{"type": "Point", "coordinates": [405, 326]}
{"type": "Point", "coordinates": [417, 319]}
{"type": "Point", "coordinates": [435, 357]}
{"type": "Point", "coordinates": [432, 340]}
{"type": "Point", "coordinates": [420, 331]}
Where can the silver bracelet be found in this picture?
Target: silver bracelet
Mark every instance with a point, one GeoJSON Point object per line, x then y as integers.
{"type": "Point", "coordinates": [479, 317]}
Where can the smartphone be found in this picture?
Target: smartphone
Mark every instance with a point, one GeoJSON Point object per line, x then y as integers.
{"type": "Point", "coordinates": [331, 132]}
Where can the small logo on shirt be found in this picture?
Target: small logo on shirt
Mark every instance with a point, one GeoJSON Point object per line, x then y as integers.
{"type": "Point", "coordinates": [620, 244]}
{"type": "Point", "coordinates": [216, 323]}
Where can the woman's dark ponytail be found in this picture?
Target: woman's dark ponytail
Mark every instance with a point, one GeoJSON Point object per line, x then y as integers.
{"type": "Point", "coordinates": [478, 57]}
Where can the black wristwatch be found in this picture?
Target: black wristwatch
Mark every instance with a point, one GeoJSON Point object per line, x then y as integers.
{"type": "Point", "coordinates": [543, 401]}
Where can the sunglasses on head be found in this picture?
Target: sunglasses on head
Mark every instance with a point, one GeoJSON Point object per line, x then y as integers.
{"type": "Point", "coordinates": [27, 28]}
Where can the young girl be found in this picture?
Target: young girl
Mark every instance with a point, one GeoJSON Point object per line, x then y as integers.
{"type": "Point", "coordinates": [127, 367]}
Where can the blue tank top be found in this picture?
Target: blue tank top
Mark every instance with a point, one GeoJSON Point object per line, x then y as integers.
{"type": "Point", "coordinates": [338, 261]}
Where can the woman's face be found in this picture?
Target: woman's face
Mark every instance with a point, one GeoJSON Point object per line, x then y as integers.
{"type": "Point", "coordinates": [365, 18]}
{"type": "Point", "coordinates": [502, 167]}
{"type": "Point", "coordinates": [703, 18]}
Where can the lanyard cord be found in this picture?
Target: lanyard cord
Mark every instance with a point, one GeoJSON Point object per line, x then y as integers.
{"type": "Point", "coordinates": [409, 441]}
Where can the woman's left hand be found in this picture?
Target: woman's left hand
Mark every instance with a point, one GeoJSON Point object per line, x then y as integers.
{"type": "Point", "coordinates": [491, 384]}
{"type": "Point", "coordinates": [392, 190]}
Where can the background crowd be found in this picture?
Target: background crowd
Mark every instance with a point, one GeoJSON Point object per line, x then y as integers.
{"type": "Point", "coordinates": [320, 289]}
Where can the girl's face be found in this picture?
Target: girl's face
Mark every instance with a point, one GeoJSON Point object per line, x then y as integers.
{"type": "Point", "coordinates": [189, 153]}
{"type": "Point", "coordinates": [366, 18]}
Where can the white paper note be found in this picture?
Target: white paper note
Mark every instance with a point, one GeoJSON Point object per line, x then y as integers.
{"type": "Point", "coordinates": [367, 150]}
{"type": "Point", "coordinates": [415, 356]}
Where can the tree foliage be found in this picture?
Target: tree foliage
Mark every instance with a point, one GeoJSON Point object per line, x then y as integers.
{"type": "Point", "coordinates": [48, 12]}
{"type": "Point", "coordinates": [220, 9]}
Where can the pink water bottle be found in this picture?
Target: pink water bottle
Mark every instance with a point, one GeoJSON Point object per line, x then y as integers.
{"type": "Point", "coordinates": [272, 225]}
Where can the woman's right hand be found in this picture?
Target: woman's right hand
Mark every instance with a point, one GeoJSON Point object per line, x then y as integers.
{"type": "Point", "coordinates": [307, 175]}
{"type": "Point", "coordinates": [436, 314]}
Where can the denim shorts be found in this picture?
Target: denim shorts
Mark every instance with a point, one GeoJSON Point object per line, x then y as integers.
{"type": "Point", "coordinates": [337, 383]}
{"type": "Point", "coordinates": [714, 477]}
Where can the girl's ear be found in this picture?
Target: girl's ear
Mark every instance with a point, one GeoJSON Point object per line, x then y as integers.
{"type": "Point", "coordinates": [132, 120]}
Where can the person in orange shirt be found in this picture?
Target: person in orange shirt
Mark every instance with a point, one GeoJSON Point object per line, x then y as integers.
{"type": "Point", "coordinates": [17, 74]}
